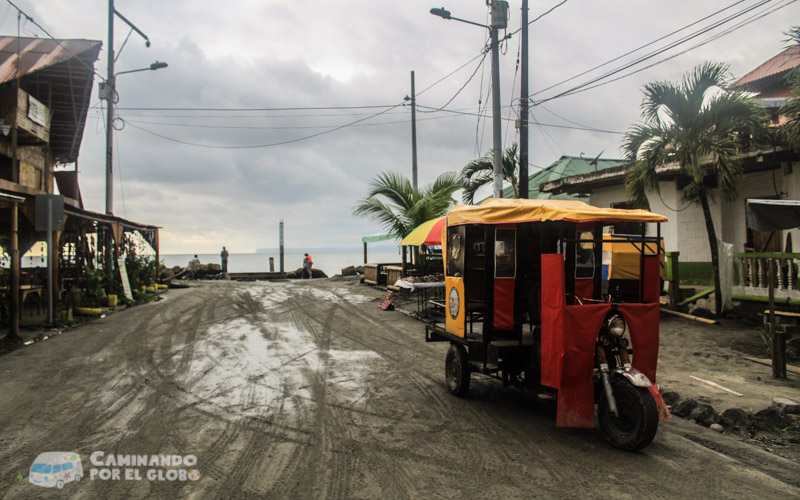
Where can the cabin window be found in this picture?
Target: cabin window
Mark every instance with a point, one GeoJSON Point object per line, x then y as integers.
{"type": "Point", "coordinates": [455, 246]}
{"type": "Point", "coordinates": [584, 257]}
{"type": "Point", "coordinates": [505, 255]}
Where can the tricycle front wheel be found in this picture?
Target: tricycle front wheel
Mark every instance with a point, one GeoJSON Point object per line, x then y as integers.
{"type": "Point", "coordinates": [637, 420]}
{"type": "Point", "coordinates": [456, 368]}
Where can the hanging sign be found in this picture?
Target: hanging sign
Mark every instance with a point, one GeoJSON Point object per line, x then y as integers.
{"type": "Point", "coordinates": [37, 111]}
{"type": "Point", "coordinates": [123, 274]}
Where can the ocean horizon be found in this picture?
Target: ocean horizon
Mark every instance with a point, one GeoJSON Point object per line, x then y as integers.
{"type": "Point", "coordinates": [331, 262]}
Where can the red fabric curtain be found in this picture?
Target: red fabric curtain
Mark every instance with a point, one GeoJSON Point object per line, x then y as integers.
{"type": "Point", "coordinates": [553, 304]}
{"type": "Point", "coordinates": [651, 282]}
{"type": "Point", "coordinates": [642, 322]}
{"type": "Point", "coordinates": [584, 288]}
{"type": "Point", "coordinates": [504, 303]}
{"type": "Point", "coordinates": [569, 334]}
{"type": "Point", "coordinates": [576, 395]}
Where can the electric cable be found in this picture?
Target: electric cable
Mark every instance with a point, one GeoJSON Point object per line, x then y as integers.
{"type": "Point", "coordinates": [29, 18]}
{"type": "Point", "coordinates": [638, 48]}
{"type": "Point", "coordinates": [462, 87]}
{"type": "Point", "coordinates": [449, 74]}
{"type": "Point", "coordinates": [539, 17]}
{"type": "Point", "coordinates": [654, 53]}
{"type": "Point", "coordinates": [257, 146]}
{"type": "Point", "coordinates": [513, 89]}
{"type": "Point", "coordinates": [715, 37]}
{"type": "Point", "coordinates": [306, 127]}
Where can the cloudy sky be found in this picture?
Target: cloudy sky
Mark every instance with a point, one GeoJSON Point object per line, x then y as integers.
{"type": "Point", "coordinates": [250, 75]}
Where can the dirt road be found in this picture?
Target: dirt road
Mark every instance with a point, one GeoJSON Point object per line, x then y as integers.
{"type": "Point", "coordinates": [309, 390]}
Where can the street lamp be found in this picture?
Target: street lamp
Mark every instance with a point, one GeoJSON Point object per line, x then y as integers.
{"type": "Point", "coordinates": [499, 20]}
{"type": "Point", "coordinates": [156, 65]}
{"type": "Point", "coordinates": [108, 91]}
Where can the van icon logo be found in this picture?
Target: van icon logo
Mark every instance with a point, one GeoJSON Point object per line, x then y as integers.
{"type": "Point", "coordinates": [55, 469]}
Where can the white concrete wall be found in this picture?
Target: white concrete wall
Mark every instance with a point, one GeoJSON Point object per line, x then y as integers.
{"type": "Point", "coordinates": [692, 232]}
{"type": "Point", "coordinates": [605, 197]}
{"type": "Point", "coordinates": [686, 229]}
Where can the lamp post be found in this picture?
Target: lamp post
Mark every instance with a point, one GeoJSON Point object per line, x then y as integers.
{"type": "Point", "coordinates": [108, 91]}
{"type": "Point", "coordinates": [499, 20]}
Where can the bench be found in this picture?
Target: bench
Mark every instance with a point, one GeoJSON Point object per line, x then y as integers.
{"type": "Point", "coordinates": [25, 291]}
{"type": "Point", "coordinates": [785, 321]}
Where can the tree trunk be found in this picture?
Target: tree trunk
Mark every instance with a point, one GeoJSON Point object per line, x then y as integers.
{"type": "Point", "coordinates": [712, 243]}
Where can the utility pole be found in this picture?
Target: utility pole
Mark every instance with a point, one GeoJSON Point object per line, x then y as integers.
{"type": "Point", "coordinates": [413, 133]}
{"type": "Point", "coordinates": [523, 107]}
{"type": "Point", "coordinates": [280, 244]}
{"type": "Point", "coordinates": [499, 15]}
{"type": "Point", "coordinates": [497, 136]}
{"type": "Point", "coordinates": [112, 89]}
{"type": "Point", "coordinates": [108, 91]}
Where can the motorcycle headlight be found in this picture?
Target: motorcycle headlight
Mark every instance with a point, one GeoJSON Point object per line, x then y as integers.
{"type": "Point", "coordinates": [616, 326]}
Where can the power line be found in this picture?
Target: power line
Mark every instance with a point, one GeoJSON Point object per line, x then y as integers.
{"type": "Point", "coordinates": [463, 86]}
{"type": "Point", "coordinates": [29, 18]}
{"type": "Point", "coordinates": [294, 108]}
{"type": "Point", "coordinates": [484, 115]}
{"type": "Point", "coordinates": [539, 17]}
{"type": "Point", "coordinates": [651, 54]}
{"type": "Point", "coordinates": [587, 85]}
{"type": "Point", "coordinates": [305, 127]}
{"type": "Point", "coordinates": [482, 53]}
{"type": "Point", "coordinates": [637, 49]}
{"type": "Point", "coordinates": [257, 146]}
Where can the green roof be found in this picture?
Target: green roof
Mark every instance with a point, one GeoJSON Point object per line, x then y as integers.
{"type": "Point", "coordinates": [379, 237]}
{"type": "Point", "coordinates": [566, 166]}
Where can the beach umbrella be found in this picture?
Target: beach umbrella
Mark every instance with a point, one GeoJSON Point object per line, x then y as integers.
{"type": "Point", "coordinates": [428, 233]}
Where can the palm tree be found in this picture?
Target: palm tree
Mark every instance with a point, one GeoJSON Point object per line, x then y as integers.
{"type": "Point", "coordinates": [399, 207]}
{"type": "Point", "coordinates": [701, 125]}
{"type": "Point", "coordinates": [480, 172]}
{"type": "Point", "coordinates": [791, 110]}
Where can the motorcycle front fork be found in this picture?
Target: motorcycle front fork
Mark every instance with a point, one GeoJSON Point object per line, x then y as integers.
{"type": "Point", "coordinates": [605, 378]}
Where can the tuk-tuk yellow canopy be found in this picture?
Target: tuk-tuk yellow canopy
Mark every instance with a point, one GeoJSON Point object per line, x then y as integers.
{"type": "Point", "coordinates": [512, 210]}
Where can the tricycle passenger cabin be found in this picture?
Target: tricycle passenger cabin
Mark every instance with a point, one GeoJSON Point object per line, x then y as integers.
{"type": "Point", "coordinates": [529, 301]}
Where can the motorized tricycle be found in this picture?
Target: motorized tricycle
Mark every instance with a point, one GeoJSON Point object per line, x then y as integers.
{"type": "Point", "coordinates": [538, 297]}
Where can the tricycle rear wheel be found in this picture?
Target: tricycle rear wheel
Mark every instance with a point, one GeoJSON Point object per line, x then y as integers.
{"type": "Point", "coordinates": [456, 368]}
{"type": "Point", "coordinates": [636, 425]}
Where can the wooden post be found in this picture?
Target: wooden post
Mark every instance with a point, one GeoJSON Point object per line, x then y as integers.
{"type": "Point", "coordinates": [158, 256]}
{"type": "Point", "coordinates": [776, 351]}
{"type": "Point", "coordinates": [13, 333]}
{"type": "Point", "coordinates": [403, 249]}
{"type": "Point", "coordinates": [365, 252]}
{"type": "Point", "coordinates": [675, 279]}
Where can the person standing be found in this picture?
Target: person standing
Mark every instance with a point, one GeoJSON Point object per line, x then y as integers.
{"type": "Point", "coordinates": [307, 263]}
{"type": "Point", "coordinates": [194, 265]}
{"type": "Point", "coordinates": [224, 256]}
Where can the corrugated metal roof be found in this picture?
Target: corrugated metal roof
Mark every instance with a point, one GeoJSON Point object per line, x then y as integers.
{"type": "Point", "coordinates": [58, 73]}
{"type": "Point", "coordinates": [36, 54]}
{"type": "Point", "coordinates": [783, 62]}
{"type": "Point", "coordinates": [566, 166]}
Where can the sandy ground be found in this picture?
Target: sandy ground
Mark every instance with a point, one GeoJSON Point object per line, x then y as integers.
{"type": "Point", "coordinates": [309, 390]}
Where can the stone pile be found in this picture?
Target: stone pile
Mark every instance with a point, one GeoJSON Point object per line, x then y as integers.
{"type": "Point", "coordinates": [783, 416]}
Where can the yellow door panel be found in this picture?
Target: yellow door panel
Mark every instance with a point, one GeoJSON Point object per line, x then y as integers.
{"type": "Point", "coordinates": [454, 288]}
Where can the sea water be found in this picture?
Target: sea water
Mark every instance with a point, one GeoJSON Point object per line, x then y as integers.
{"type": "Point", "coordinates": [330, 262]}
